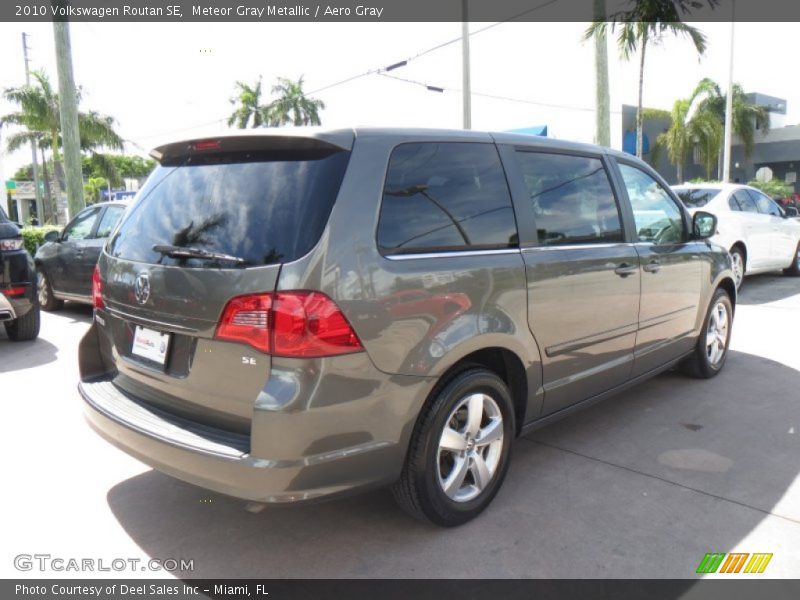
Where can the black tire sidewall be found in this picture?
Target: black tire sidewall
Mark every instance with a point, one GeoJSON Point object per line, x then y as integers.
{"type": "Point", "coordinates": [436, 505]}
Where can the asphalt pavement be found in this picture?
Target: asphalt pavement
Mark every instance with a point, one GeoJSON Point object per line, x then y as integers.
{"type": "Point", "coordinates": [641, 485]}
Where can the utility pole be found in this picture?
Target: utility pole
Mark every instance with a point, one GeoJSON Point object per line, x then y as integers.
{"type": "Point", "coordinates": [465, 81]}
{"type": "Point", "coordinates": [602, 101]}
{"type": "Point", "coordinates": [34, 162]}
{"type": "Point", "coordinates": [726, 145]}
{"type": "Point", "coordinates": [69, 118]}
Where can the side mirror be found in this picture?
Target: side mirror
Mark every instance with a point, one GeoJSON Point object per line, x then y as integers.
{"type": "Point", "coordinates": [52, 236]}
{"type": "Point", "coordinates": [789, 211]}
{"type": "Point", "coordinates": [704, 225]}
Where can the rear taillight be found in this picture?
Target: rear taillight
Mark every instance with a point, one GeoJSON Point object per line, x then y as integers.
{"type": "Point", "coordinates": [97, 289]}
{"type": "Point", "coordinates": [297, 324]}
{"type": "Point", "coordinates": [13, 291]}
{"type": "Point", "coordinates": [246, 319]}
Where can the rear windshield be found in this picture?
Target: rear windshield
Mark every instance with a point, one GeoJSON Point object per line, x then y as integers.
{"type": "Point", "coordinates": [696, 197]}
{"type": "Point", "coordinates": [261, 208]}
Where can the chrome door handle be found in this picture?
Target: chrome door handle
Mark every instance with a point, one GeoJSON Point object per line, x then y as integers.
{"type": "Point", "coordinates": [626, 269]}
{"type": "Point", "coordinates": [652, 267]}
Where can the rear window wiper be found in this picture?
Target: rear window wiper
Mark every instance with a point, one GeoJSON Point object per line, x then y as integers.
{"type": "Point", "coordinates": [187, 252]}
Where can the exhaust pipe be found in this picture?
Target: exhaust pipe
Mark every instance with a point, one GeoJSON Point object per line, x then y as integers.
{"type": "Point", "coordinates": [6, 315]}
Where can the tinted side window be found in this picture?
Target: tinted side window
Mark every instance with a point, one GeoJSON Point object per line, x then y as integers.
{"type": "Point", "coordinates": [108, 221]}
{"type": "Point", "coordinates": [765, 205]}
{"type": "Point", "coordinates": [82, 226]}
{"type": "Point", "coordinates": [696, 197]}
{"type": "Point", "coordinates": [734, 204]}
{"type": "Point", "coordinates": [657, 218]}
{"type": "Point", "coordinates": [746, 202]}
{"type": "Point", "coordinates": [445, 196]}
{"type": "Point", "coordinates": [571, 197]}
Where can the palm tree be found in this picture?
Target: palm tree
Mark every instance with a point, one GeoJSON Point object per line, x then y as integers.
{"type": "Point", "coordinates": [40, 117]}
{"type": "Point", "coordinates": [746, 119]}
{"type": "Point", "coordinates": [249, 109]}
{"type": "Point", "coordinates": [646, 24]}
{"type": "Point", "coordinates": [292, 105]}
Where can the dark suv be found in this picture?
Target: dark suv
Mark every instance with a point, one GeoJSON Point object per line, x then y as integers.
{"type": "Point", "coordinates": [19, 309]}
{"type": "Point", "coordinates": [285, 317]}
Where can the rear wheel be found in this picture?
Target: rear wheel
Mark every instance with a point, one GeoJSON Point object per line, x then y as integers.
{"type": "Point", "coordinates": [712, 346]}
{"type": "Point", "coordinates": [459, 450]}
{"type": "Point", "coordinates": [738, 266]}
{"type": "Point", "coordinates": [47, 300]}
{"type": "Point", "coordinates": [24, 328]}
{"type": "Point", "coordinates": [794, 269]}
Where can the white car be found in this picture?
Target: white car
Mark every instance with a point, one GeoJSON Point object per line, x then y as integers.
{"type": "Point", "coordinates": [760, 235]}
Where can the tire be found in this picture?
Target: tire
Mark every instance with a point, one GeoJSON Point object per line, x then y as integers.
{"type": "Point", "coordinates": [47, 300]}
{"type": "Point", "coordinates": [794, 269]}
{"type": "Point", "coordinates": [26, 327]}
{"type": "Point", "coordinates": [737, 258]}
{"type": "Point", "coordinates": [705, 362]}
{"type": "Point", "coordinates": [421, 490]}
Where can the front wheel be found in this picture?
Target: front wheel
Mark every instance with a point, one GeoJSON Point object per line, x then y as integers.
{"type": "Point", "coordinates": [794, 269]}
{"type": "Point", "coordinates": [459, 450]}
{"type": "Point", "coordinates": [711, 350]}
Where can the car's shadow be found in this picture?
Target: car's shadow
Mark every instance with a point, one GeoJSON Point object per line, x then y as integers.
{"type": "Point", "coordinates": [76, 312]}
{"type": "Point", "coordinates": [767, 287]}
{"type": "Point", "coordinates": [15, 356]}
{"type": "Point", "coordinates": [641, 485]}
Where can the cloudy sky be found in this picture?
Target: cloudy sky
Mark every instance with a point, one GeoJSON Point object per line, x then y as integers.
{"type": "Point", "coordinates": [167, 81]}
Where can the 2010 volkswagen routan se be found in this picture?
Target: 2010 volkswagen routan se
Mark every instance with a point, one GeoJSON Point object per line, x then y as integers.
{"type": "Point", "coordinates": [289, 316]}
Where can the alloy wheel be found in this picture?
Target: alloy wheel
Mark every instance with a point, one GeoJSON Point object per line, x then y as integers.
{"type": "Point", "coordinates": [717, 334]}
{"type": "Point", "coordinates": [41, 288]}
{"type": "Point", "coordinates": [470, 447]}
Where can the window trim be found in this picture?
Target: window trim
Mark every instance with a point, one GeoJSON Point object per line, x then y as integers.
{"type": "Point", "coordinates": [445, 251]}
{"type": "Point", "coordinates": [648, 170]}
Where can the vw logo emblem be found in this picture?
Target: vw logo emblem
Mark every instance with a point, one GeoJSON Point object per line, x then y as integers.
{"type": "Point", "coordinates": [141, 288]}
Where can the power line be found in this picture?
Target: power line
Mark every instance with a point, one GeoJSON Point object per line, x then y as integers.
{"type": "Point", "coordinates": [493, 96]}
{"type": "Point", "coordinates": [381, 70]}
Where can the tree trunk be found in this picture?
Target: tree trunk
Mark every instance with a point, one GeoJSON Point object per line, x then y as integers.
{"type": "Point", "coordinates": [49, 208]}
{"type": "Point", "coordinates": [639, 116]}
{"type": "Point", "coordinates": [679, 168]}
{"type": "Point", "coordinates": [602, 101]}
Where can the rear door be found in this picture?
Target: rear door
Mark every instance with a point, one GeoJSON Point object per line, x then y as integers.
{"type": "Point", "coordinates": [583, 276]}
{"type": "Point", "coordinates": [88, 251]}
{"type": "Point", "coordinates": [782, 232]}
{"type": "Point", "coordinates": [671, 270]}
{"type": "Point", "coordinates": [253, 203]}
{"type": "Point", "coordinates": [756, 227]}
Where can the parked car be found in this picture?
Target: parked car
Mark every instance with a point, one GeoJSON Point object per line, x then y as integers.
{"type": "Point", "coordinates": [760, 235]}
{"type": "Point", "coordinates": [19, 309]}
{"type": "Point", "coordinates": [65, 262]}
{"type": "Point", "coordinates": [285, 317]}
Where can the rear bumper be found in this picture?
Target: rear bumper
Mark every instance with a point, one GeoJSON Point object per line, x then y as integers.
{"type": "Point", "coordinates": [324, 449]}
{"type": "Point", "coordinates": [16, 271]}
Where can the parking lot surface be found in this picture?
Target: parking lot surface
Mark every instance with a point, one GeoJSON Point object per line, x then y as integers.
{"type": "Point", "coordinates": [640, 485]}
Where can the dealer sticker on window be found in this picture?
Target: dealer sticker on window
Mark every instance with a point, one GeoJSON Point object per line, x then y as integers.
{"type": "Point", "coordinates": [150, 344]}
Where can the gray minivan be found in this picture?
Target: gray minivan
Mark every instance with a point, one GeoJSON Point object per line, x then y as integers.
{"type": "Point", "coordinates": [286, 316]}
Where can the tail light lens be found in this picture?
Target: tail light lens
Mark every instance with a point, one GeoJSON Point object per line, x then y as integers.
{"type": "Point", "coordinates": [294, 324]}
{"type": "Point", "coordinates": [97, 289]}
{"type": "Point", "coordinates": [246, 319]}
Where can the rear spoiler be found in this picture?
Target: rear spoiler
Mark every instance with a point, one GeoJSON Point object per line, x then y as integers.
{"type": "Point", "coordinates": [259, 142]}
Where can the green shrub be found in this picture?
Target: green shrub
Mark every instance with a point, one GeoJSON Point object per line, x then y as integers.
{"type": "Point", "coordinates": [33, 237]}
{"type": "Point", "coordinates": [774, 188]}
